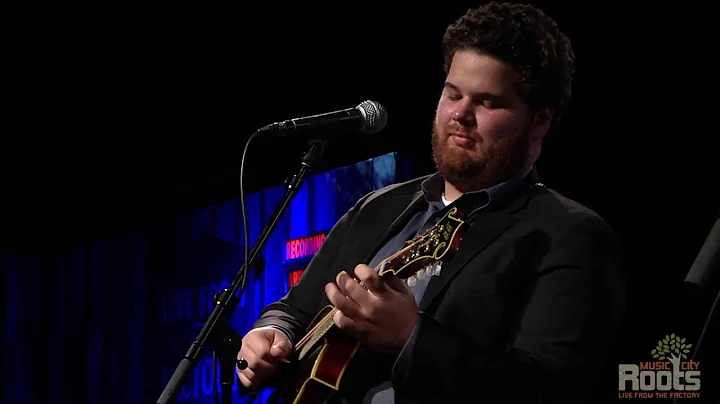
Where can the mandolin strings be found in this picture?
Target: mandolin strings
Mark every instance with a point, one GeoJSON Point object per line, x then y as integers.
{"type": "Point", "coordinates": [323, 323]}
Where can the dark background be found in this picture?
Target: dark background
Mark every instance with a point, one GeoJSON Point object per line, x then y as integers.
{"type": "Point", "coordinates": [114, 116]}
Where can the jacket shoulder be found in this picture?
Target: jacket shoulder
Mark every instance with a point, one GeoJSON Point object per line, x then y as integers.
{"type": "Point", "coordinates": [553, 210]}
{"type": "Point", "coordinates": [399, 189]}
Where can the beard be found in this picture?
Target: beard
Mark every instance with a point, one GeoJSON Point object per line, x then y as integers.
{"type": "Point", "coordinates": [470, 170]}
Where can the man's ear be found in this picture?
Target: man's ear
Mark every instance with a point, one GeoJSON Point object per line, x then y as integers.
{"type": "Point", "coordinates": [542, 119]}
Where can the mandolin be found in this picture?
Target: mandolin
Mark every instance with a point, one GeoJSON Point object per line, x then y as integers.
{"type": "Point", "coordinates": [315, 369]}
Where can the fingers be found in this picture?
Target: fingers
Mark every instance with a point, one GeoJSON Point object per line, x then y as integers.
{"type": "Point", "coordinates": [377, 284]}
{"type": "Point", "coordinates": [262, 349]}
{"type": "Point", "coordinates": [344, 322]}
{"type": "Point", "coordinates": [342, 302]}
{"type": "Point", "coordinates": [370, 278]}
{"type": "Point", "coordinates": [256, 370]}
{"type": "Point", "coordinates": [353, 289]}
{"type": "Point", "coordinates": [360, 328]}
{"type": "Point", "coordinates": [244, 379]}
{"type": "Point", "coordinates": [346, 308]}
{"type": "Point", "coordinates": [357, 297]}
{"type": "Point", "coordinates": [281, 347]}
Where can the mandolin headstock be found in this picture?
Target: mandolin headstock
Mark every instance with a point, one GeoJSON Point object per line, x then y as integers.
{"type": "Point", "coordinates": [438, 243]}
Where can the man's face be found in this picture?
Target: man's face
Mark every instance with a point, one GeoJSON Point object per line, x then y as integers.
{"type": "Point", "coordinates": [483, 132]}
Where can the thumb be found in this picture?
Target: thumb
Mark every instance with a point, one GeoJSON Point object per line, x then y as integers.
{"type": "Point", "coordinates": [281, 346]}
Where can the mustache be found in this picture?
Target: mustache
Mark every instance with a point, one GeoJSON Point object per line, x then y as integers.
{"type": "Point", "coordinates": [453, 128]}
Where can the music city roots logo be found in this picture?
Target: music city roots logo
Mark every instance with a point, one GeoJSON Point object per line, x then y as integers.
{"type": "Point", "coordinates": [670, 375]}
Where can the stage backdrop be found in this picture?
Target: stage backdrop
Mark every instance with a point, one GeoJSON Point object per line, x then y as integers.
{"type": "Point", "coordinates": [108, 322]}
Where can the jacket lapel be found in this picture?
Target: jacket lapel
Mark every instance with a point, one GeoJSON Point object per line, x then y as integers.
{"type": "Point", "coordinates": [481, 229]}
{"type": "Point", "coordinates": [416, 200]}
{"type": "Point", "coordinates": [486, 228]}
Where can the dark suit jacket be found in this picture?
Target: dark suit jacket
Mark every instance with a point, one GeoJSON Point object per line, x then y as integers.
{"type": "Point", "coordinates": [526, 311]}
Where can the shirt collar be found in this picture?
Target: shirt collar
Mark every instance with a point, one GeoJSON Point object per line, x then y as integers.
{"type": "Point", "coordinates": [434, 186]}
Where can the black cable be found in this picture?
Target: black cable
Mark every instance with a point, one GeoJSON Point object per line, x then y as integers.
{"type": "Point", "coordinates": [246, 241]}
{"type": "Point", "coordinates": [246, 236]}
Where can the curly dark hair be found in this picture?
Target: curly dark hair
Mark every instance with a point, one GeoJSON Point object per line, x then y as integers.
{"type": "Point", "coordinates": [524, 37]}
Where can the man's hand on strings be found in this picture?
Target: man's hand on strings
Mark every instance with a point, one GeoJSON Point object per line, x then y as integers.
{"type": "Point", "coordinates": [380, 312]}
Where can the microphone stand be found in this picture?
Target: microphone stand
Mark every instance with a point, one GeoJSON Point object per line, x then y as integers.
{"type": "Point", "coordinates": [216, 333]}
{"type": "Point", "coordinates": [702, 281]}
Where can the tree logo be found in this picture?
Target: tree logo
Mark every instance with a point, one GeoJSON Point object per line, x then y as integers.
{"type": "Point", "coordinates": [674, 345]}
{"type": "Point", "coordinates": [669, 375]}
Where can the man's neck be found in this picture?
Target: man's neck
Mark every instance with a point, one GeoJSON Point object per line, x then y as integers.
{"type": "Point", "coordinates": [451, 193]}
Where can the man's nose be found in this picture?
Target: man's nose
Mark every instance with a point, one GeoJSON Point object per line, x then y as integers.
{"type": "Point", "coordinates": [464, 114]}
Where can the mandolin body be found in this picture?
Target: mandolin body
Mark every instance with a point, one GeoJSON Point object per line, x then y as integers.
{"type": "Point", "coordinates": [314, 372]}
{"type": "Point", "coordinates": [319, 371]}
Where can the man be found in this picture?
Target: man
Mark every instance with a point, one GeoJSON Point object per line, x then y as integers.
{"type": "Point", "coordinates": [528, 308]}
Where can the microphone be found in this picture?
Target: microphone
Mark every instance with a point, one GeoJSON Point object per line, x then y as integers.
{"type": "Point", "coordinates": [369, 117]}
